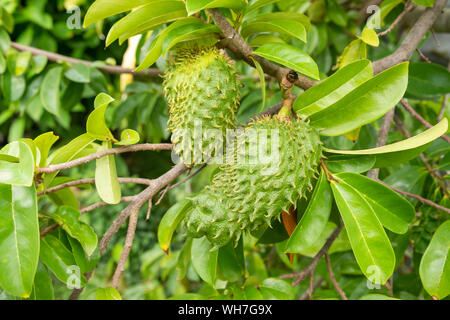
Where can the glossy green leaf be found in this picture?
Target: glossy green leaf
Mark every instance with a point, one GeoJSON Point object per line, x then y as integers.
{"type": "Point", "coordinates": [289, 56]}
{"type": "Point", "coordinates": [435, 264]}
{"type": "Point", "coordinates": [334, 88]}
{"type": "Point", "coordinates": [22, 62]}
{"type": "Point", "coordinates": [19, 239]}
{"type": "Point", "coordinates": [146, 18]}
{"type": "Point", "coordinates": [314, 219]}
{"type": "Point", "coordinates": [393, 211]}
{"type": "Point", "coordinates": [80, 73]}
{"type": "Point", "coordinates": [291, 28]}
{"type": "Point", "coordinates": [55, 255]}
{"type": "Point", "coordinates": [128, 137]}
{"type": "Point", "coordinates": [312, 250]}
{"type": "Point", "coordinates": [108, 293]}
{"type": "Point", "coordinates": [354, 51]}
{"type": "Point", "coordinates": [403, 150]}
{"type": "Point", "coordinates": [262, 79]}
{"type": "Point", "coordinates": [44, 142]}
{"type": "Point", "coordinates": [96, 125]}
{"type": "Point", "coordinates": [170, 221]}
{"type": "Point", "coordinates": [345, 163]}
{"type": "Point", "coordinates": [263, 39]}
{"type": "Point", "coordinates": [258, 4]}
{"type": "Point", "coordinates": [365, 104]}
{"type": "Point", "coordinates": [204, 260]}
{"type": "Point", "coordinates": [231, 262]}
{"type": "Point", "coordinates": [106, 180]}
{"type": "Point", "coordinates": [42, 285]}
{"type": "Point", "coordinates": [67, 153]}
{"type": "Point", "coordinates": [370, 37]}
{"type": "Point", "coordinates": [369, 241]}
{"type": "Point", "coordinates": [8, 158]}
{"type": "Point", "coordinates": [287, 16]}
{"type": "Point", "coordinates": [427, 80]}
{"type": "Point", "coordinates": [69, 220]}
{"type": "Point", "coordinates": [276, 289]}
{"type": "Point", "coordinates": [194, 6]}
{"type": "Point", "coordinates": [50, 95]}
{"type": "Point", "coordinates": [102, 9]}
{"type": "Point", "coordinates": [17, 173]}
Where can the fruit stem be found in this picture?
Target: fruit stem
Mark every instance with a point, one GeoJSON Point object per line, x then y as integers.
{"type": "Point", "coordinates": [288, 101]}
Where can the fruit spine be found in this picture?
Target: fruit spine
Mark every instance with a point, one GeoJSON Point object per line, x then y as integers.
{"type": "Point", "coordinates": [202, 90]}
{"type": "Point", "coordinates": [242, 197]}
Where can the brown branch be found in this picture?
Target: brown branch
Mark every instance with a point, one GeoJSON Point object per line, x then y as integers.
{"type": "Point", "coordinates": [55, 57]}
{"type": "Point", "coordinates": [91, 181]}
{"type": "Point", "coordinates": [133, 148]}
{"type": "Point", "coordinates": [413, 39]}
{"type": "Point", "coordinates": [305, 272]}
{"type": "Point", "coordinates": [416, 115]}
{"type": "Point", "coordinates": [333, 279]}
{"type": "Point", "coordinates": [310, 290]}
{"type": "Point", "coordinates": [240, 48]}
{"type": "Point", "coordinates": [424, 57]}
{"type": "Point", "coordinates": [382, 138]}
{"type": "Point", "coordinates": [126, 249]}
{"type": "Point", "coordinates": [408, 7]}
{"type": "Point", "coordinates": [140, 200]}
{"type": "Point", "coordinates": [415, 196]}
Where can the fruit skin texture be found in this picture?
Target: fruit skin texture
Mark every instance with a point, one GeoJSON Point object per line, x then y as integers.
{"type": "Point", "coordinates": [201, 87]}
{"type": "Point", "coordinates": [242, 198]}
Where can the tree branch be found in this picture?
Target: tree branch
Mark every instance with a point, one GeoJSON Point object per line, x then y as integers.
{"type": "Point", "coordinates": [55, 57]}
{"type": "Point", "coordinates": [408, 7]}
{"type": "Point", "coordinates": [412, 40]}
{"type": "Point", "coordinates": [240, 48]}
{"type": "Point", "coordinates": [133, 148]}
{"type": "Point", "coordinates": [333, 279]}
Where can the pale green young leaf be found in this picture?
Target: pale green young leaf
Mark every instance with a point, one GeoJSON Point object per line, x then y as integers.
{"type": "Point", "coordinates": [106, 180]}
{"type": "Point", "coordinates": [170, 221]}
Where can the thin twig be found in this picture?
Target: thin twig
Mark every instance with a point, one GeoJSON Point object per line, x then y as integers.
{"type": "Point", "coordinates": [424, 57]}
{"type": "Point", "coordinates": [133, 148]}
{"type": "Point", "coordinates": [126, 249]}
{"type": "Point", "coordinates": [314, 287]}
{"type": "Point", "coordinates": [443, 108]}
{"type": "Point", "coordinates": [408, 7]}
{"type": "Point", "coordinates": [333, 279]}
{"type": "Point", "coordinates": [91, 181]}
{"type": "Point", "coordinates": [55, 57]}
{"type": "Point", "coordinates": [104, 204]}
{"type": "Point", "coordinates": [416, 115]}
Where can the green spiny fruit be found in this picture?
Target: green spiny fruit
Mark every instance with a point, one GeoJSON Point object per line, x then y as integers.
{"type": "Point", "coordinates": [202, 90]}
{"type": "Point", "coordinates": [244, 197]}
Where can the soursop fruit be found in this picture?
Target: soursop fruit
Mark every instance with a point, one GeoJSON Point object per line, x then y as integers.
{"type": "Point", "coordinates": [202, 90]}
{"type": "Point", "coordinates": [245, 196]}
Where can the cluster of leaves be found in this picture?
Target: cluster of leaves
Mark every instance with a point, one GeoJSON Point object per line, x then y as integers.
{"type": "Point", "coordinates": [385, 234]}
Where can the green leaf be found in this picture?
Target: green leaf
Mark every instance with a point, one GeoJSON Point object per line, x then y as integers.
{"type": "Point", "coordinates": [80, 73]}
{"type": "Point", "coordinates": [194, 6]}
{"type": "Point", "coordinates": [67, 153]}
{"type": "Point", "coordinates": [155, 50]}
{"type": "Point", "coordinates": [44, 142]}
{"type": "Point", "coordinates": [128, 137]}
{"type": "Point", "coordinates": [288, 27]}
{"type": "Point", "coordinates": [289, 56]}
{"type": "Point", "coordinates": [42, 285]}
{"type": "Point", "coordinates": [313, 221]}
{"type": "Point", "coordinates": [55, 255]}
{"type": "Point", "coordinates": [368, 239]}
{"type": "Point", "coordinates": [370, 37]}
{"type": "Point", "coordinates": [286, 16]}
{"type": "Point", "coordinates": [314, 249]}
{"type": "Point", "coordinates": [50, 91]}
{"type": "Point", "coordinates": [334, 88]}
{"type": "Point", "coordinates": [22, 61]}
{"type": "Point", "coordinates": [106, 180]}
{"type": "Point", "coordinates": [262, 79]}
{"type": "Point", "coordinates": [393, 211]}
{"type": "Point", "coordinates": [258, 4]}
{"type": "Point", "coordinates": [170, 221]}
{"type": "Point", "coordinates": [427, 80]}
{"type": "Point", "coordinates": [276, 289]}
{"type": "Point", "coordinates": [401, 151]}
{"type": "Point", "coordinates": [356, 164]}
{"type": "Point", "coordinates": [365, 104]}
{"type": "Point", "coordinates": [19, 239]}
{"type": "Point", "coordinates": [146, 18]}
{"type": "Point", "coordinates": [20, 173]}
{"type": "Point", "coordinates": [231, 262]}
{"type": "Point", "coordinates": [354, 51]}
{"type": "Point", "coordinates": [376, 296]}
{"type": "Point", "coordinates": [69, 220]}
{"type": "Point", "coordinates": [435, 264]}
{"type": "Point", "coordinates": [102, 9]}
{"type": "Point", "coordinates": [96, 125]}
{"type": "Point", "coordinates": [108, 293]}
{"type": "Point", "coordinates": [425, 3]}
{"type": "Point", "coordinates": [204, 260]}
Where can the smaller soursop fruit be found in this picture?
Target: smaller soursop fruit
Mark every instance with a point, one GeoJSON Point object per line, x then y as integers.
{"type": "Point", "coordinates": [245, 196]}
{"type": "Point", "coordinates": [202, 90]}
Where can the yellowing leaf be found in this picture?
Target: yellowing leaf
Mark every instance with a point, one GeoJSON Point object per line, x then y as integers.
{"type": "Point", "coordinates": [370, 37]}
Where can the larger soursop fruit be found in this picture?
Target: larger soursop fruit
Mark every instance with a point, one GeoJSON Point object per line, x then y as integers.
{"type": "Point", "coordinates": [202, 90]}
{"type": "Point", "coordinates": [244, 197]}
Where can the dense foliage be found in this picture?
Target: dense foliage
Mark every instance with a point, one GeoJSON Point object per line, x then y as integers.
{"type": "Point", "coordinates": [92, 205]}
